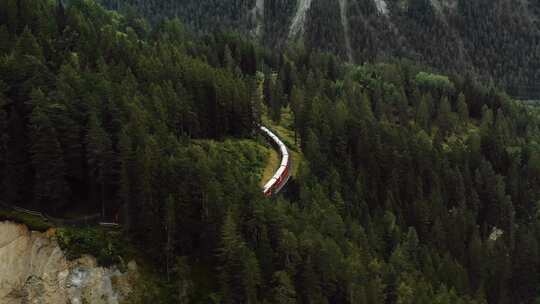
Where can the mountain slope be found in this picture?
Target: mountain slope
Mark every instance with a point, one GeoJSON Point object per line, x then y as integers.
{"type": "Point", "coordinates": [493, 40]}
{"type": "Point", "coordinates": [414, 187]}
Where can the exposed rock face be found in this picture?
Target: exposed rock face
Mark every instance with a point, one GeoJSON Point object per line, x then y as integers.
{"type": "Point", "coordinates": [258, 17]}
{"type": "Point", "coordinates": [382, 7]}
{"type": "Point", "coordinates": [343, 6]}
{"type": "Point", "coordinates": [299, 20]}
{"type": "Point", "coordinates": [33, 269]}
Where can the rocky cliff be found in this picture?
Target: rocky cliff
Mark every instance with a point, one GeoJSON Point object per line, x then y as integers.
{"type": "Point", "coordinates": [33, 269]}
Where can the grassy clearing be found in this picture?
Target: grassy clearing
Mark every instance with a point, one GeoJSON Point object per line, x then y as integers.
{"type": "Point", "coordinates": [285, 131]}
{"type": "Point", "coordinates": [271, 166]}
{"type": "Point", "coordinates": [247, 155]}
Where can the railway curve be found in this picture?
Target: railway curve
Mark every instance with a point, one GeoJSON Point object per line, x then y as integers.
{"type": "Point", "coordinates": [283, 173]}
{"type": "Point", "coordinates": [271, 188]}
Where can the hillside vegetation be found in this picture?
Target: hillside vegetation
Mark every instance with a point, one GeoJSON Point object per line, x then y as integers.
{"type": "Point", "coordinates": [493, 40]}
{"type": "Point", "coordinates": [415, 187]}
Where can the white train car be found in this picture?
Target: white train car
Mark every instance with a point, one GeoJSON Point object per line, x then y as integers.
{"type": "Point", "coordinates": [280, 178]}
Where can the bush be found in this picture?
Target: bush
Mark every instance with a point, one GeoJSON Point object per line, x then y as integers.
{"type": "Point", "coordinates": [427, 81]}
{"type": "Point", "coordinates": [106, 246]}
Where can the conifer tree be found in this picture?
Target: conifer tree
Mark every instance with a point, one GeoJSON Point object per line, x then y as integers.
{"type": "Point", "coordinates": [184, 282]}
{"type": "Point", "coordinates": [525, 266]}
{"type": "Point", "coordinates": [28, 45]}
{"type": "Point", "coordinates": [365, 108]}
{"type": "Point", "coordinates": [444, 116]}
{"type": "Point", "coordinates": [228, 60]}
{"type": "Point", "coordinates": [463, 108]}
{"type": "Point", "coordinates": [170, 230]}
{"type": "Point", "coordinates": [251, 276]}
{"type": "Point", "coordinates": [283, 290]}
{"type": "Point", "coordinates": [297, 103]}
{"type": "Point", "coordinates": [51, 189]}
{"type": "Point", "coordinates": [12, 13]}
{"type": "Point", "coordinates": [423, 113]}
{"type": "Point", "coordinates": [5, 41]}
{"type": "Point", "coordinates": [127, 177]}
{"type": "Point", "coordinates": [100, 159]}
{"type": "Point", "coordinates": [233, 254]}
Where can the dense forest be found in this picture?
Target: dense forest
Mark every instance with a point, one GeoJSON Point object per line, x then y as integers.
{"type": "Point", "coordinates": [415, 187]}
{"type": "Point", "coordinates": [493, 40]}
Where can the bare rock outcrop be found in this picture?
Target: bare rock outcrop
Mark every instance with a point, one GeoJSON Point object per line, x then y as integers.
{"type": "Point", "coordinates": [33, 269]}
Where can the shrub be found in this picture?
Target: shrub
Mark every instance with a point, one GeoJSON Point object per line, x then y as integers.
{"type": "Point", "coordinates": [106, 246]}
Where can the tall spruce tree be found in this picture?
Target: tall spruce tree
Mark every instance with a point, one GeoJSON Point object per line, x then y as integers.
{"type": "Point", "coordinates": [51, 189]}
{"type": "Point", "coordinates": [101, 161]}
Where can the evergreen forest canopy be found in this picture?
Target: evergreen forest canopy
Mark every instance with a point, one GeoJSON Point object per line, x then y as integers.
{"type": "Point", "coordinates": [416, 187]}
{"type": "Point", "coordinates": [493, 40]}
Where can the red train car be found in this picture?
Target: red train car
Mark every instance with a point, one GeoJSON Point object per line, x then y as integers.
{"type": "Point", "coordinates": [280, 178]}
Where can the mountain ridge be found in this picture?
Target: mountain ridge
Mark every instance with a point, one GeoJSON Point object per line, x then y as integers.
{"type": "Point", "coordinates": [495, 41]}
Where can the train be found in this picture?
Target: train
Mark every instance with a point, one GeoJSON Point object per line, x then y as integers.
{"type": "Point", "coordinates": [280, 178]}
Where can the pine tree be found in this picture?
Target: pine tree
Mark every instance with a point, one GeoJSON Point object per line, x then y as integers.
{"type": "Point", "coordinates": [463, 108]}
{"type": "Point", "coordinates": [51, 189]}
{"type": "Point", "coordinates": [127, 170]}
{"type": "Point", "coordinates": [444, 116]}
{"type": "Point", "coordinates": [423, 115]}
{"type": "Point", "coordinates": [487, 120]}
{"type": "Point", "coordinates": [277, 100]}
{"type": "Point", "coordinates": [100, 160]}
{"type": "Point", "coordinates": [476, 260]}
{"type": "Point", "coordinates": [184, 282]}
{"type": "Point", "coordinates": [231, 254]}
{"type": "Point", "coordinates": [309, 290]}
{"type": "Point", "coordinates": [411, 245]}
{"type": "Point", "coordinates": [297, 103]}
{"type": "Point", "coordinates": [69, 135]}
{"type": "Point", "coordinates": [5, 41]}
{"type": "Point", "coordinates": [313, 153]}
{"type": "Point", "coordinates": [251, 276]}
{"type": "Point", "coordinates": [17, 159]}
{"type": "Point", "coordinates": [525, 267]}
{"type": "Point", "coordinates": [283, 290]}
{"type": "Point", "coordinates": [170, 230]}
{"type": "Point", "coordinates": [28, 45]}
{"type": "Point", "coordinates": [61, 18]}
{"type": "Point", "coordinates": [365, 108]}
{"type": "Point", "coordinates": [256, 98]}
{"type": "Point", "coordinates": [228, 60]}
{"type": "Point", "coordinates": [12, 16]}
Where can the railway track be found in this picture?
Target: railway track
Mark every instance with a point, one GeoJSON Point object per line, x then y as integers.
{"type": "Point", "coordinates": [271, 188]}
{"type": "Point", "coordinates": [283, 173]}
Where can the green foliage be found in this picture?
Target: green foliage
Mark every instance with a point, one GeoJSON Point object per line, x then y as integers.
{"type": "Point", "coordinates": [449, 37]}
{"type": "Point", "coordinates": [417, 187]}
{"type": "Point", "coordinates": [35, 223]}
{"type": "Point", "coordinates": [108, 247]}
{"type": "Point", "coordinates": [439, 83]}
{"type": "Point", "coordinates": [46, 156]}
